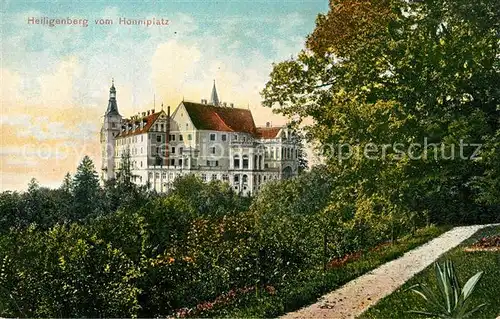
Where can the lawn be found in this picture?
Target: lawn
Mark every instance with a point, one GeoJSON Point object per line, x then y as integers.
{"type": "Point", "coordinates": [308, 286]}
{"type": "Point", "coordinates": [467, 264]}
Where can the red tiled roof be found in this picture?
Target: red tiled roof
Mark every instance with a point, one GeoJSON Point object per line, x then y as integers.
{"type": "Point", "coordinates": [268, 132]}
{"type": "Point", "coordinates": [213, 118]}
{"type": "Point", "coordinates": [150, 119]}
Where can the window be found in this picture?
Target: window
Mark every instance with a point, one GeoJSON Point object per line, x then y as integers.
{"type": "Point", "coordinates": [171, 137]}
{"type": "Point", "coordinates": [163, 175]}
{"type": "Point", "coordinates": [113, 125]}
{"type": "Point", "coordinates": [235, 137]}
{"type": "Point", "coordinates": [157, 175]}
{"type": "Point", "coordinates": [172, 162]}
{"type": "Point", "coordinates": [142, 138]}
{"type": "Point", "coordinates": [245, 161]}
{"type": "Point", "coordinates": [225, 177]}
{"type": "Point", "coordinates": [190, 137]}
{"type": "Point", "coordinates": [181, 138]}
{"type": "Point", "coordinates": [236, 178]}
{"type": "Point", "coordinates": [245, 179]}
{"type": "Point", "coordinates": [213, 150]}
{"type": "Point", "coordinates": [158, 138]}
{"type": "Point", "coordinates": [161, 127]}
{"type": "Point", "coordinates": [236, 161]}
{"type": "Point", "coordinates": [224, 137]}
{"type": "Point", "coordinates": [173, 150]}
{"type": "Point", "coordinates": [156, 127]}
{"type": "Point", "coordinates": [180, 162]}
{"type": "Point", "coordinates": [141, 163]}
{"type": "Point", "coordinates": [150, 174]}
{"type": "Point", "coordinates": [142, 150]}
{"type": "Point", "coordinates": [204, 177]}
{"type": "Point", "coordinates": [212, 163]}
{"type": "Point", "coordinates": [181, 150]}
{"type": "Point", "coordinates": [212, 137]}
{"type": "Point", "coordinates": [214, 177]}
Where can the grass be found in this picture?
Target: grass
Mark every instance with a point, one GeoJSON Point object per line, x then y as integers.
{"type": "Point", "coordinates": [307, 287]}
{"type": "Point", "coordinates": [467, 264]}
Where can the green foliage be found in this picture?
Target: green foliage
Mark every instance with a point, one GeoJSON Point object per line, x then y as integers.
{"type": "Point", "coordinates": [66, 272]}
{"type": "Point", "coordinates": [466, 265]}
{"type": "Point", "coordinates": [201, 247]}
{"type": "Point", "coordinates": [86, 190]}
{"type": "Point", "coordinates": [388, 72]}
{"type": "Point", "coordinates": [215, 198]}
{"type": "Point", "coordinates": [451, 301]}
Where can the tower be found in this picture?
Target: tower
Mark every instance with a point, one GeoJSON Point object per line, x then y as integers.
{"type": "Point", "coordinates": [214, 98]}
{"type": "Point", "coordinates": [111, 127]}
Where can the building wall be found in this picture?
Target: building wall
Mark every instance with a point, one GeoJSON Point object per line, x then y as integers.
{"type": "Point", "coordinates": [238, 158]}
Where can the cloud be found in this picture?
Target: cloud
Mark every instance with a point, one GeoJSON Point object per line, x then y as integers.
{"type": "Point", "coordinates": [55, 81]}
{"type": "Point", "coordinates": [57, 88]}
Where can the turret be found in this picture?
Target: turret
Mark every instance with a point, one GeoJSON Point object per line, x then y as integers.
{"type": "Point", "coordinates": [110, 130]}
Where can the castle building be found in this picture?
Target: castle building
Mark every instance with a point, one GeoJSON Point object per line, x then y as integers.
{"type": "Point", "coordinates": [211, 139]}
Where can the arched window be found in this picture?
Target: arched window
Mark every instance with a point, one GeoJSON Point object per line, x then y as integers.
{"type": "Point", "coordinates": [245, 179]}
{"type": "Point", "coordinates": [236, 161]}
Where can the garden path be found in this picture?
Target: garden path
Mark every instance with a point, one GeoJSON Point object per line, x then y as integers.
{"type": "Point", "coordinates": [358, 295]}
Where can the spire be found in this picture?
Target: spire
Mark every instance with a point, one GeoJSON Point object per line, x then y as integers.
{"type": "Point", "coordinates": [112, 106]}
{"type": "Point", "coordinates": [214, 99]}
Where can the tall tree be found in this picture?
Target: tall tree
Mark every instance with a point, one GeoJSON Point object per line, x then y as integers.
{"type": "Point", "coordinates": [86, 189]}
{"type": "Point", "coordinates": [387, 72]}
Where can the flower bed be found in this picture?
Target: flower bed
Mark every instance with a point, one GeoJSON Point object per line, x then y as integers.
{"type": "Point", "coordinates": [491, 243]}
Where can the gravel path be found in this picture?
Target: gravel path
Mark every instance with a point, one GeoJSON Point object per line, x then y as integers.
{"type": "Point", "coordinates": [357, 295]}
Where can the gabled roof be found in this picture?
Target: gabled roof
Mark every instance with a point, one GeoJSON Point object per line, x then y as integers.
{"type": "Point", "coordinates": [149, 121]}
{"type": "Point", "coordinates": [268, 132]}
{"type": "Point", "coordinates": [226, 119]}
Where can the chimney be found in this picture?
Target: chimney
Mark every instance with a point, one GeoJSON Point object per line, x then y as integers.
{"type": "Point", "coordinates": [232, 104]}
{"type": "Point", "coordinates": [143, 114]}
{"type": "Point", "coordinates": [152, 111]}
{"type": "Point", "coordinates": [224, 104]}
{"type": "Point", "coordinates": [268, 124]}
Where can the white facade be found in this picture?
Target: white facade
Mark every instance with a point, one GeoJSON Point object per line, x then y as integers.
{"type": "Point", "coordinates": [163, 147]}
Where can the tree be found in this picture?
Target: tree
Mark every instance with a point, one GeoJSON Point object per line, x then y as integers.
{"type": "Point", "coordinates": [122, 192]}
{"type": "Point", "coordinates": [387, 72]}
{"type": "Point", "coordinates": [67, 184]}
{"type": "Point", "coordinates": [303, 163]}
{"type": "Point", "coordinates": [86, 190]}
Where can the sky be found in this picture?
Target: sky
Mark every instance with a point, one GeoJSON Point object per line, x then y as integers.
{"type": "Point", "coordinates": [55, 80]}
